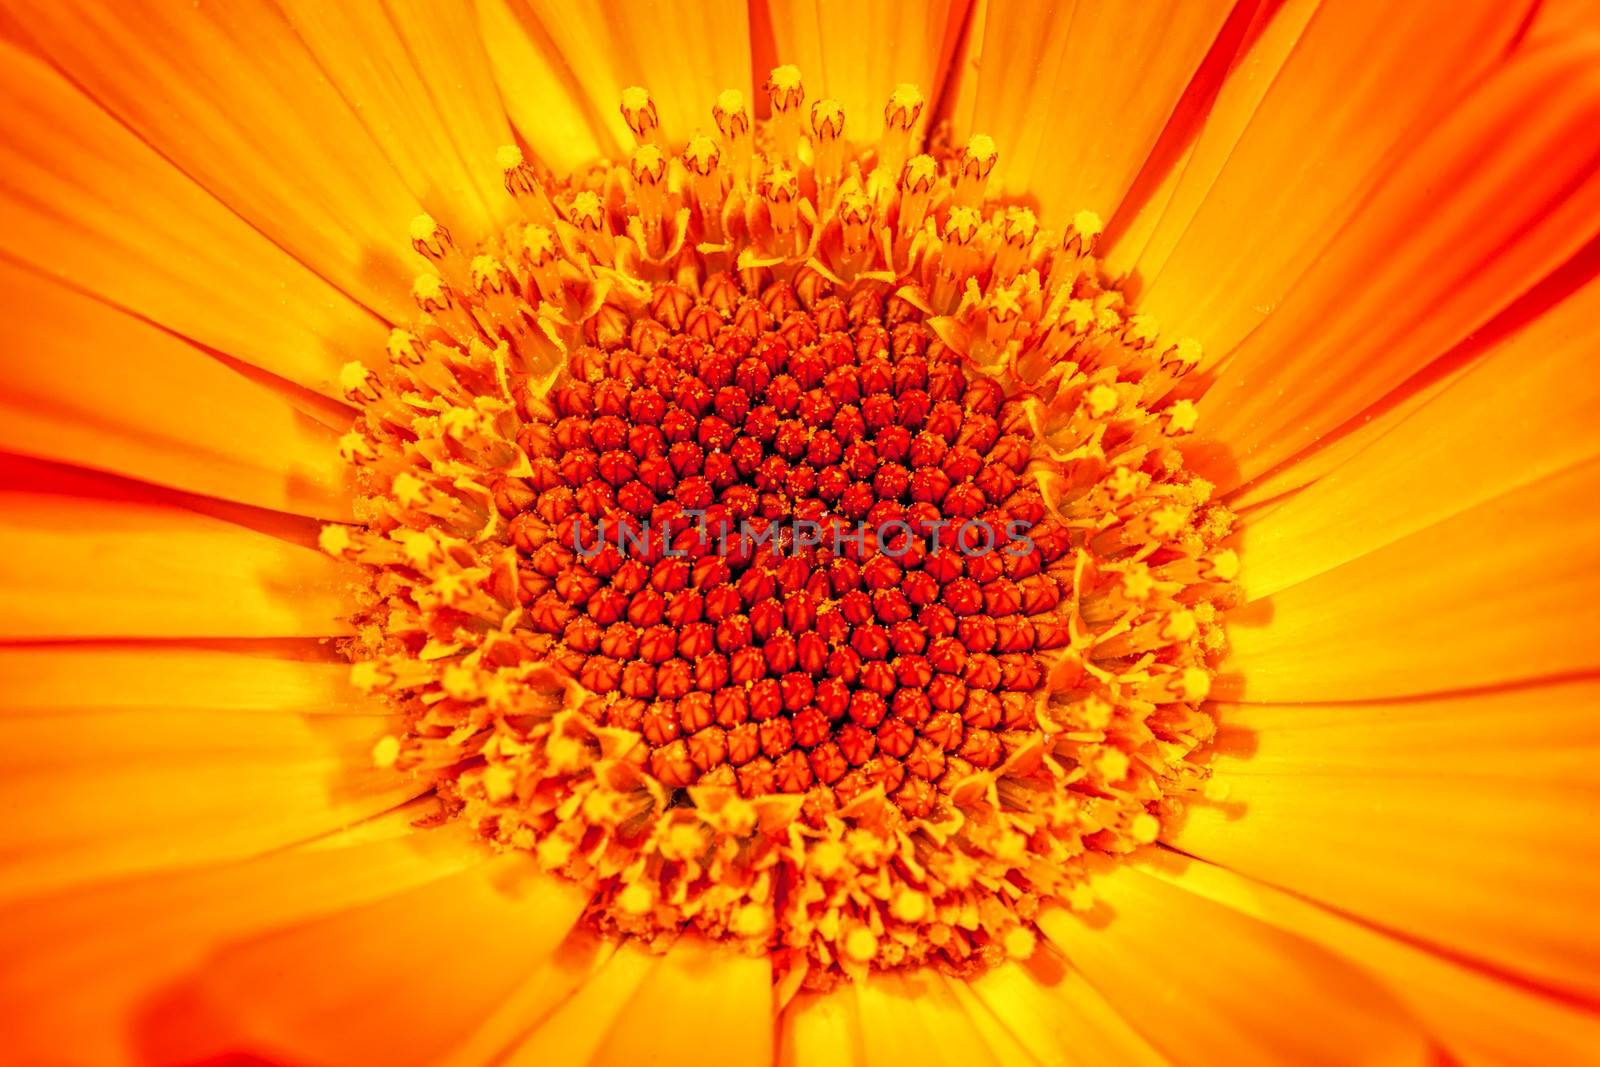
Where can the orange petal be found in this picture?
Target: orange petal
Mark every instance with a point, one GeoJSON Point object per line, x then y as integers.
{"type": "Point", "coordinates": [1002, 1041]}
{"type": "Point", "coordinates": [820, 1028]}
{"type": "Point", "coordinates": [1207, 985]}
{"type": "Point", "coordinates": [1480, 1018]}
{"type": "Point", "coordinates": [1354, 86]}
{"type": "Point", "coordinates": [1056, 1014]}
{"type": "Point", "coordinates": [96, 794]}
{"type": "Point", "coordinates": [1560, 18]}
{"type": "Point", "coordinates": [73, 567]}
{"type": "Point", "coordinates": [1507, 590]}
{"type": "Point", "coordinates": [1143, 233]}
{"type": "Point", "coordinates": [860, 52]}
{"type": "Point", "coordinates": [1107, 76]}
{"type": "Point", "coordinates": [1477, 793]}
{"type": "Point", "coordinates": [1522, 412]}
{"type": "Point", "coordinates": [418, 78]}
{"type": "Point", "coordinates": [1335, 448]}
{"type": "Point", "coordinates": [323, 190]}
{"type": "Point", "coordinates": [68, 174]}
{"type": "Point", "coordinates": [294, 677]}
{"type": "Point", "coordinates": [703, 1002]}
{"type": "Point", "coordinates": [542, 991]}
{"type": "Point", "coordinates": [80, 972]}
{"type": "Point", "coordinates": [1413, 273]}
{"type": "Point", "coordinates": [913, 1014]}
{"type": "Point", "coordinates": [542, 95]}
{"type": "Point", "coordinates": [1546, 733]}
{"type": "Point", "coordinates": [102, 390]}
{"type": "Point", "coordinates": [647, 45]}
{"type": "Point", "coordinates": [574, 1032]}
{"type": "Point", "coordinates": [438, 958]}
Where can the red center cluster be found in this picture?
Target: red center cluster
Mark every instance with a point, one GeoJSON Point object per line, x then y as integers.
{"type": "Point", "coordinates": [728, 643]}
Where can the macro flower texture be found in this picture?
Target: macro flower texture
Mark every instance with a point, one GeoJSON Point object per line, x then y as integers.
{"type": "Point", "coordinates": [970, 532]}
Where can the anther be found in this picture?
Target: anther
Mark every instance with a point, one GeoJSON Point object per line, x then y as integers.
{"type": "Point", "coordinates": [900, 117]}
{"type": "Point", "coordinates": [1021, 227]}
{"type": "Point", "coordinates": [703, 160]}
{"type": "Point", "coordinates": [972, 172]}
{"type": "Point", "coordinates": [649, 170]}
{"type": "Point", "coordinates": [958, 258]}
{"type": "Point", "coordinates": [588, 214]}
{"type": "Point", "coordinates": [733, 122]}
{"type": "Point", "coordinates": [439, 299]}
{"type": "Point", "coordinates": [780, 189]}
{"type": "Point", "coordinates": [1002, 311]}
{"type": "Point", "coordinates": [916, 194]}
{"type": "Point", "coordinates": [542, 256]}
{"type": "Point", "coordinates": [827, 147]}
{"type": "Point", "coordinates": [524, 185]}
{"type": "Point", "coordinates": [639, 112]}
{"type": "Point", "coordinates": [1086, 226]}
{"type": "Point", "coordinates": [1071, 260]}
{"type": "Point", "coordinates": [497, 291]}
{"type": "Point", "coordinates": [855, 220]}
{"type": "Point", "coordinates": [432, 241]}
{"type": "Point", "coordinates": [404, 349]}
{"type": "Point", "coordinates": [787, 94]}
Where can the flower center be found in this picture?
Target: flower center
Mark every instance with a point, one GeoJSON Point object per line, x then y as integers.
{"type": "Point", "coordinates": [789, 541]}
{"type": "Point", "coordinates": [822, 566]}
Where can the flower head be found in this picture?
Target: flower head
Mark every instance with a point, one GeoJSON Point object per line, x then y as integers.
{"type": "Point", "coordinates": [741, 534]}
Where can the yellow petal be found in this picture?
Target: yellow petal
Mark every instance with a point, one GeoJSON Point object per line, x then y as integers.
{"type": "Point", "coordinates": [437, 958]}
{"type": "Point", "coordinates": [322, 190]}
{"type": "Point", "coordinates": [1102, 79]}
{"type": "Point", "coordinates": [1004, 1043]}
{"type": "Point", "coordinates": [1478, 1017]}
{"type": "Point", "coordinates": [1206, 984]}
{"type": "Point", "coordinates": [81, 973]}
{"type": "Point", "coordinates": [1310, 148]}
{"type": "Point", "coordinates": [914, 1015]}
{"type": "Point", "coordinates": [1472, 807]}
{"type": "Point", "coordinates": [100, 389]}
{"type": "Point", "coordinates": [89, 203]}
{"type": "Point", "coordinates": [703, 1002]}
{"type": "Point", "coordinates": [419, 80]}
{"type": "Point", "coordinates": [293, 677]}
{"type": "Point", "coordinates": [1507, 590]}
{"type": "Point", "coordinates": [76, 567]}
{"type": "Point", "coordinates": [543, 989]}
{"type": "Point", "coordinates": [96, 794]}
{"type": "Point", "coordinates": [1413, 273]}
{"type": "Point", "coordinates": [1560, 18]}
{"type": "Point", "coordinates": [543, 97]}
{"type": "Point", "coordinates": [1059, 1016]}
{"type": "Point", "coordinates": [1136, 236]}
{"type": "Point", "coordinates": [647, 45]}
{"type": "Point", "coordinates": [574, 1032]}
{"type": "Point", "coordinates": [1521, 412]}
{"type": "Point", "coordinates": [859, 52]}
{"type": "Point", "coordinates": [820, 1028]}
{"type": "Point", "coordinates": [1545, 733]}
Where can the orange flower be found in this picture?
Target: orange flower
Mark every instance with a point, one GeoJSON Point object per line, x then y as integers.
{"type": "Point", "coordinates": [336, 731]}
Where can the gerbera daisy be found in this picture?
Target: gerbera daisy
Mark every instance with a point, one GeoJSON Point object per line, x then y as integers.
{"type": "Point", "coordinates": [787, 534]}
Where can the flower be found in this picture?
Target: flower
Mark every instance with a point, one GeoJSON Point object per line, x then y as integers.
{"type": "Point", "coordinates": [334, 732]}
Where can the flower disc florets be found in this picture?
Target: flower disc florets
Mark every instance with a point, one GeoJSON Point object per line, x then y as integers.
{"type": "Point", "coordinates": [786, 540]}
